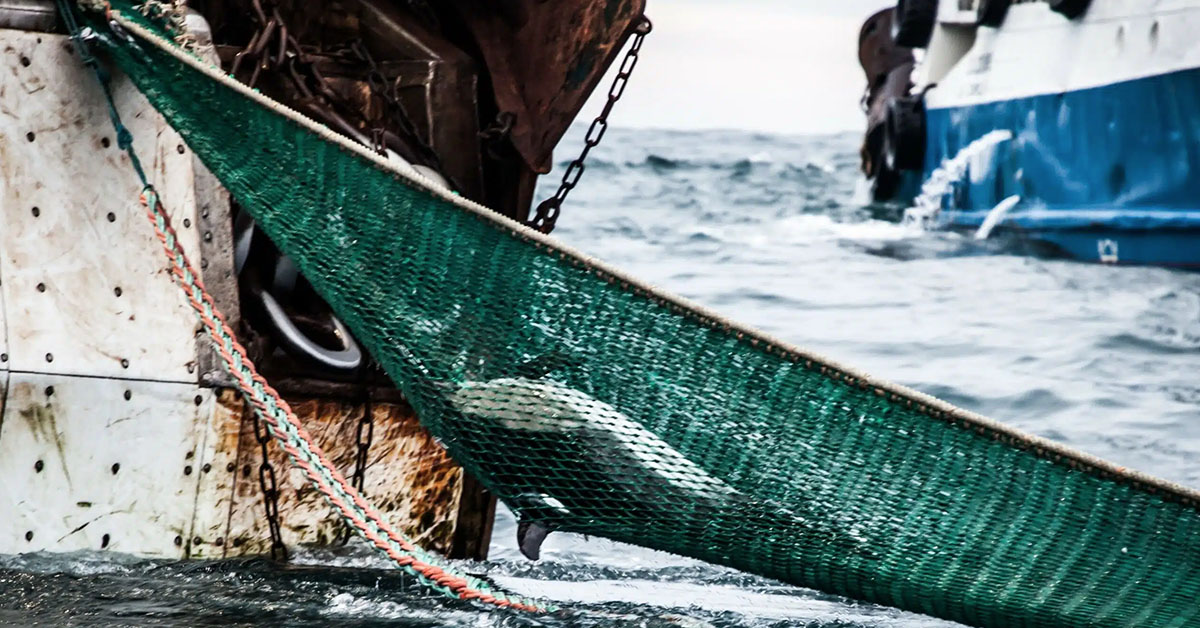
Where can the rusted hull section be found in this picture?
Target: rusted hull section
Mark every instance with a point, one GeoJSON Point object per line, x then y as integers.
{"type": "Point", "coordinates": [545, 58]}
{"type": "Point", "coordinates": [486, 89]}
{"type": "Point", "coordinates": [408, 477]}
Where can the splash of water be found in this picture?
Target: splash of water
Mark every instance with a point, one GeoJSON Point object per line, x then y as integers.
{"type": "Point", "coordinates": [996, 216]}
{"type": "Point", "coordinates": [975, 157]}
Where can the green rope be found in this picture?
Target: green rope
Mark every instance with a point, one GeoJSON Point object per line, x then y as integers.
{"type": "Point", "coordinates": [79, 37]}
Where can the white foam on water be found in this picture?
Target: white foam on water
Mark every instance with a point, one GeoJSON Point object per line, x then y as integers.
{"type": "Point", "coordinates": [78, 564]}
{"type": "Point", "coordinates": [374, 610]}
{"type": "Point", "coordinates": [824, 165]}
{"type": "Point", "coordinates": [862, 195]}
{"type": "Point", "coordinates": [974, 160]}
{"type": "Point", "coordinates": [806, 228]}
{"type": "Point", "coordinates": [821, 227]}
{"type": "Point", "coordinates": [769, 603]}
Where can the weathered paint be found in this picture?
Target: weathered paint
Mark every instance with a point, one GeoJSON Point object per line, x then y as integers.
{"type": "Point", "coordinates": [85, 284]}
{"type": "Point", "coordinates": [3, 336]}
{"type": "Point", "coordinates": [4, 370]}
{"type": "Point", "coordinates": [171, 471]}
{"type": "Point", "coordinates": [217, 463]}
{"type": "Point", "coordinates": [98, 464]}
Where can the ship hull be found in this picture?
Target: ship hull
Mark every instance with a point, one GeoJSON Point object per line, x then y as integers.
{"type": "Point", "coordinates": [1104, 113]}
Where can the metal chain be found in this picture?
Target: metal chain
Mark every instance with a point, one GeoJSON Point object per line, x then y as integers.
{"type": "Point", "coordinates": [395, 108]}
{"type": "Point", "coordinates": [279, 421]}
{"type": "Point", "coordinates": [366, 434]}
{"type": "Point", "coordinates": [497, 132]}
{"type": "Point", "coordinates": [546, 214]}
{"type": "Point", "coordinates": [266, 471]}
{"type": "Point", "coordinates": [363, 439]}
{"type": "Point", "coordinates": [270, 491]}
{"type": "Point", "coordinates": [274, 48]}
{"type": "Point", "coordinates": [270, 25]}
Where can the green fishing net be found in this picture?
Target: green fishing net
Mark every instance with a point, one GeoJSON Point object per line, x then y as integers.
{"type": "Point", "coordinates": [591, 404]}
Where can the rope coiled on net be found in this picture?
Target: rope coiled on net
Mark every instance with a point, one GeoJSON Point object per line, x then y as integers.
{"type": "Point", "coordinates": [274, 411]}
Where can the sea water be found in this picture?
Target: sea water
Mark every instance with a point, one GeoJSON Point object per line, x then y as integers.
{"type": "Point", "coordinates": [769, 230]}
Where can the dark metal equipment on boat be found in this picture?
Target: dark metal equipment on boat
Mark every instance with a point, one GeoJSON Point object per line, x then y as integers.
{"type": "Point", "coordinates": [472, 95]}
{"type": "Point", "coordinates": [895, 139]}
{"type": "Point", "coordinates": [889, 68]}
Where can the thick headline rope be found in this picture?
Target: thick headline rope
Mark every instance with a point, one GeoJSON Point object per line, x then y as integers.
{"type": "Point", "coordinates": [274, 411]}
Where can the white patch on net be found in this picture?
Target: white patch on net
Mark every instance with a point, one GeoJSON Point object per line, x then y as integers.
{"type": "Point", "coordinates": [546, 406]}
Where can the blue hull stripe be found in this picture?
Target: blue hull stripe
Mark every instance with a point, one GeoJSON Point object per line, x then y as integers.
{"type": "Point", "coordinates": [1109, 161]}
{"type": "Point", "coordinates": [1088, 218]}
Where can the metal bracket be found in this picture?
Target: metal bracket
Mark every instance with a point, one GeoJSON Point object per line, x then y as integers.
{"type": "Point", "coordinates": [29, 15]}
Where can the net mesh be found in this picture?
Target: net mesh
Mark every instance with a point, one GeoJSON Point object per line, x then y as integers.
{"type": "Point", "coordinates": [595, 405]}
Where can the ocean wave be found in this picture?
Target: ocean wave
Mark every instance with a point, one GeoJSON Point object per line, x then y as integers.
{"type": "Point", "coordinates": [761, 162]}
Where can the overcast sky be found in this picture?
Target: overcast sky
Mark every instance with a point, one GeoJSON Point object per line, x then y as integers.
{"type": "Point", "coordinates": [787, 66]}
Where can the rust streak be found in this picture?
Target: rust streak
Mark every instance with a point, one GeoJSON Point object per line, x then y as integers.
{"type": "Point", "coordinates": [410, 479]}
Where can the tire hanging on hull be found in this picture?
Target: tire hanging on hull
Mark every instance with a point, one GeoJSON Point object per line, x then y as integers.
{"type": "Point", "coordinates": [912, 25]}
{"type": "Point", "coordinates": [1070, 8]}
{"type": "Point", "coordinates": [991, 12]}
{"type": "Point", "coordinates": [904, 134]}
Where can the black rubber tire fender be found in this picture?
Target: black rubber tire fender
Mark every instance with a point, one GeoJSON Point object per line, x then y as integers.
{"type": "Point", "coordinates": [913, 22]}
{"type": "Point", "coordinates": [885, 185]}
{"type": "Point", "coordinates": [991, 12]}
{"type": "Point", "coordinates": [904, 134]}
{"type": "Point", "coordinates": [1070, 8]}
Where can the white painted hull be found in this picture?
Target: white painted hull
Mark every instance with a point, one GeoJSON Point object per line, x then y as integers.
{"type": "Point", "coordinates": [1037, 51]}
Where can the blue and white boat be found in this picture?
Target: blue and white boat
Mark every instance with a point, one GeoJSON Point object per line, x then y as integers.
{"type": "Point", "coordinates": [1074, 123]}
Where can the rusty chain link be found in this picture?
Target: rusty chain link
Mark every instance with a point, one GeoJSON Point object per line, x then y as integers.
{"type": "Point", "coordinates": [273, 47]}
{"type": "Point", "coordinates": [269, 485]}
{"type": "Point", "coordinates": [498, 131]}
{"type": "Point", "coordinates": [389, 94]}
{"type": "Point", "coordinates": [366, 434]}
{"type": "Point", "coordinates": [546, 214]}
{"type": "Point", "coordinates": [363, 440]}
{"type": "Point", "coordinates": [256, 53]}
{"type": "Point", "coordinates": [257, 46]}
